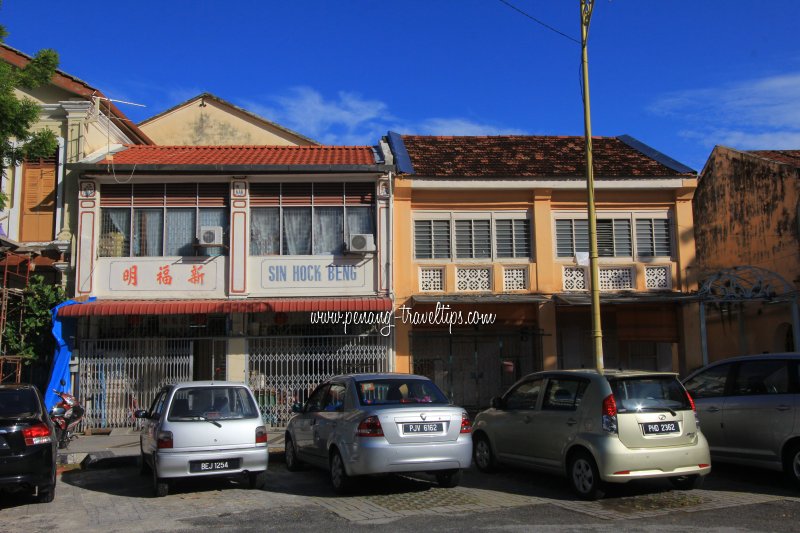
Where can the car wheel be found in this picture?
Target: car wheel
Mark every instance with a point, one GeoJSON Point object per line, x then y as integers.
{"type": "Point", "coordinates": [482, 454]}
{"type": "Point", "coordinates": [160, 485]}
{"type": "Point", "coordinates": [584, 476]}
{"type": "Point", "coordinates": [339, 478]}
{"type": "Point", "coordinates": [46, 496]}
{"type": "Point", "coordinates": [791, 464]}
{"type": "Point", "coordinates": [686, 482]}
{"type": "Point", "coordinates": [448, 478]}
{"type": "Point", "coordinates": [292, 462]}
{"type": "Point", "coordinates": [257, 480]}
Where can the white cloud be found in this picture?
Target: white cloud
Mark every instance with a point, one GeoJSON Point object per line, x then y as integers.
{"type": "Point", "coordinates": [349, 118]}
{"type": "Point", "coordinates": [753, 114]}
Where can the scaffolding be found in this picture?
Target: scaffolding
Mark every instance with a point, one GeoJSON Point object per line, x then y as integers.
{"type": "Point", "coordinates": [16, 269]}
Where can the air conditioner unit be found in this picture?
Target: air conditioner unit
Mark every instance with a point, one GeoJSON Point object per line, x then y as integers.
{"type": "Point", "coordinates": [210, 235]}
{"type": "Point", "coordinates": [361, 242]}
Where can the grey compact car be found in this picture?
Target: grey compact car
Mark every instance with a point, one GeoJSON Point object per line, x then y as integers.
{"type": "Point", "coordinates": [595, 428]}
{"type": "Point", "coordinates": [749, 408]}
{"type": "Point", "coordinates": [203, 428]}
{"type": "Point", "coordinates": [380, 423]}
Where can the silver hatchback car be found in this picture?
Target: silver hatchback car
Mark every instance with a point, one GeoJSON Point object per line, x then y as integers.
{"type": "Point", "coordinates": [203, 428]}
{"type": "Point", "coordinates": [595, 428]}
{"type": "Point", "coordinates": [380, 423]}
{"type": "Point", "coordinates": [750, 410]}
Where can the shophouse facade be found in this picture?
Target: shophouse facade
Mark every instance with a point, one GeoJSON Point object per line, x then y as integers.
{"type": "Point", "coordinates": [207, 262]}
{"type": "Point", "coordinates": [498, 226]}
{"type": "Point", "coordinates": [747, 229]}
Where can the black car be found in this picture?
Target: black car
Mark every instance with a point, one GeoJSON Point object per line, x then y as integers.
{"type": "Point", "coordinates": [27, 443]}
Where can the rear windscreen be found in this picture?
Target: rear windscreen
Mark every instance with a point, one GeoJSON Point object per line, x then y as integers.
{"type": "Point", "coordinates": [212, 403]}
{"type": "Point", "coordinates": [399, 391]}
{"type": "Point", "coordinates": [649, 394]}
{"type": "Point", "coordinates": [18, 403]}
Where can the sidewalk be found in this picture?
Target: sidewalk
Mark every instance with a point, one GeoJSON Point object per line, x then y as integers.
{"type": "Point", "coordinates": [121, 447]}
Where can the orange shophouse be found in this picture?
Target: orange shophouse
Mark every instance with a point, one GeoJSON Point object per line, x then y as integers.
{"type": "Point", "coordinates": [497, 226]}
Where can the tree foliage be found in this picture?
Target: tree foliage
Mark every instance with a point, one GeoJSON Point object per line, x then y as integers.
{"type": "Point", "coordinates": [29, 320]}
{"type": "Point", "coordinates": [18, 115]}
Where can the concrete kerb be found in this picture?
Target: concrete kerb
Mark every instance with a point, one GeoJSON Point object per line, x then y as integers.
{"type": "Point", "coordinates": [120, 447]}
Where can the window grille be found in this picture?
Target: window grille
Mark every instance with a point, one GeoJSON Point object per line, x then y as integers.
{"type": "Point", "coordinates": [515, 279]}
{"type": "Point", "coordinates": [657, 277]}
{"type": "Point", "coordinates": [512, 237]}
{"type": "Point", "coordinates": [612, 279]}
{"type": "Point", "coordinates": [474, 279]}
{"type": "Point", "coordinates": [432, 239]}
{"type": "Point", "coordinates": [575, 279]}
{"type": "Point", "coordinates": [653, 237]}
{"type": "Point", "coordinates": [431, 279]}
{"type": "Point", "coordinates": [473, 239]}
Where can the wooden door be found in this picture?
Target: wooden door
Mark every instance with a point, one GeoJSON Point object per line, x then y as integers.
{"type": "Point", "coordinates": [37, 217]}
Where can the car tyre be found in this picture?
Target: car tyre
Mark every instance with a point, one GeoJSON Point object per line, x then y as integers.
{"type": "Point", "coordinates": [687, 482]}
{"type": "Point", "coordinates": [46, 496]}
{"type": "Point", "coordinates": [448, 478]}
{"type": "Point", "coordinates": [293, 464]}
{"type": "Point", "coordinates": [257, 480]}
{"type": "Point", "coordinates": [482, 454]}
{"type": "Point", "coordinates": [339, 479]}
{"type": "Point", "coordinates": [791, 464]}
{"type": "Point", "coordinates": [160, 485]}
{"type": "Point", "coordinates": [584, 477]}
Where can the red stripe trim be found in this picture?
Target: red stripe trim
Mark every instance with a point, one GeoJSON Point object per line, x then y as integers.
{"type": "Point", "coordinates": [195, 307]}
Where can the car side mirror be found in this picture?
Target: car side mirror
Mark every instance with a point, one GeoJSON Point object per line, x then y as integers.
{"type": "Point", "coordinates": [140, 413]}
{"type": "Point", "coordinates": [497, 403]}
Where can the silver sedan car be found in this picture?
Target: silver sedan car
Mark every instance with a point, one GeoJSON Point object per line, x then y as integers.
{"type": "Point", "coordinates": [380, 423]}
{"type": "Point", "coordinates": [203, 428]}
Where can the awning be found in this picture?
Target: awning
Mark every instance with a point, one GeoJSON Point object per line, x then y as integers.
{"type": "Point", "coordinates": [580, 298]}
{"type": "Point", "coordinates": [481, 299]}
{"type": "Point", "coordinates": [201, 307]}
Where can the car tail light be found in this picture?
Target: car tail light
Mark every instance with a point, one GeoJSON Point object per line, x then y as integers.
{"type": "Point", "coordinates": [164, 439]}
{"type": "Point", "coordinates": [370, 427]}
{"type": "Point", "coordinates": [38, 434]}
{"type": "Point", "coordinates": [694, 409]}
{"type": "Point", "coordinates": [261, 435]}
{"type": "Point", "coordinates": [610, 414]}
{"type": "Point", "coordinates": [466, 424]}
{"type": "Point", "coordinates": [704, 465]}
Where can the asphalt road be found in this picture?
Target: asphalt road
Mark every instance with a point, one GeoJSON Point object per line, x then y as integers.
{"type": "Point", "coordinates": [115, 498]}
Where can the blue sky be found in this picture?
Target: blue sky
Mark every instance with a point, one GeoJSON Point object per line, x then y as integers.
{"type": "Point", "coordinates": [680, 75]}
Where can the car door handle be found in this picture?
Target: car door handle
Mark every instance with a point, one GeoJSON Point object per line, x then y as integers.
{"type": "Point", "coordinates": [783, 407]}
{"type": "Point", "coordinates": [571, 421]}
{"type": "Point", "coordinates": [712, 409]}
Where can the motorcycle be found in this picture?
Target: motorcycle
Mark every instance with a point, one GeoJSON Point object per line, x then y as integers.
{"type": "Point", "coordinates": [66, 415]}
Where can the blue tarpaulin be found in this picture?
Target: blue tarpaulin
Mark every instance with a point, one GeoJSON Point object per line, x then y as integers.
{"type": "Point", "coordinates": [63, 330]}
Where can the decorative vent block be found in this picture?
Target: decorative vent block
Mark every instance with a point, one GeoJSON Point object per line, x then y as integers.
{"type": "Point", "coordinates": [431, 279]}
{"type": "Point", "coordinates": [474, 279]}
{"type": "Point", "coordinates": [515, 279]}
{"type": "Point", "coordinates": [615, 279]}
{"type": "Point", "coordinates": [575, 279]}
{"type": "Point", "coordinates": [657, 277]}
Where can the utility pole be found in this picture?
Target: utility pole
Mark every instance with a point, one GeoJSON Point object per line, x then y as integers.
{"type": "Point", "coordinates": [587, 6]}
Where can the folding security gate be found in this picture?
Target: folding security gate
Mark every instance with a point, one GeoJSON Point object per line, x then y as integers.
{"type": "Point", "coordinates": [118, 376]}
{"type": "Point", "coordinates": [472, 367]}
{"type": "Point", "coordinates": [284, 370]}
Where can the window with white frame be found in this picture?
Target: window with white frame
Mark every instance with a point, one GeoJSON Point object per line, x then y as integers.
{"type": "Point", "coordinates": [308, 218]}
{"type": "Point", "coordinates": [472, 236]}
{"type": "Point", "coordinates": [154, 220]}
{"type": "Point", "coordinates": [614, 236]}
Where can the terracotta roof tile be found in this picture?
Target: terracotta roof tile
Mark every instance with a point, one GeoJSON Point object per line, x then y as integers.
{"type": "Point", "coordinates": [528, 156]}
{"type": "Point", "coordinates": [789, 157]}
{"type": "Point", "coordinates": [243, 155]}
